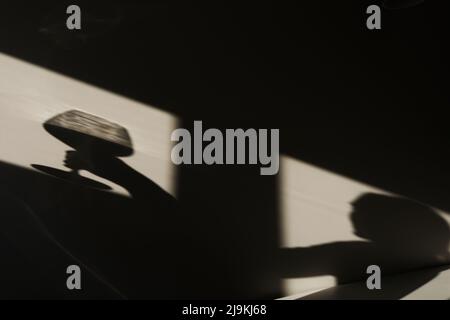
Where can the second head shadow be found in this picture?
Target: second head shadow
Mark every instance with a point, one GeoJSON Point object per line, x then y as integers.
{"type": "Point", "coordinates": [398, 234]}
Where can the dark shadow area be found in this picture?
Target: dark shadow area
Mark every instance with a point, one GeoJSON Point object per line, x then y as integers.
{"type": "Point", "coordinates": [146, 246]}
{"type": "Point", "coordinates": [401, 235]}
{"type": "Point", "coordinates": [230, 214]}
{"type": "Point", "coordinates": [34, 263]}
{"type": "Point", "coordinates": [366, 105]}
{"type": "Point", "coordinates": [126, 247]}
{"type": "Point", "coordinates": [400, 4]}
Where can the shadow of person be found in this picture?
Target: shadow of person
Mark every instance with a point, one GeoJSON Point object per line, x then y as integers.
{"type": "Point", "coordinates": [125, 246]}
{"type": "Point", "coordinates": [86, 133]}
{"type": "Point", "coordinates": [127, 242]}
{"type": "Point", "coordinates": [145, 234]}
{"type": "Point", "coordinates": [401, 236]}
{"type": "Point", "coordinates": [27, 245]}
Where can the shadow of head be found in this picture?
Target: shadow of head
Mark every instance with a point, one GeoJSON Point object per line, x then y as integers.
{"type": "Point", "coordinates": [89, 133]}
{"type": "Point", "coordinates": [93, 138]}
{"type": "Point", "coordinates": [400, 224]}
